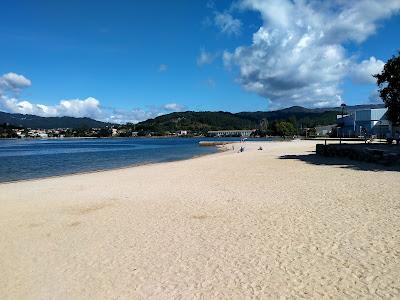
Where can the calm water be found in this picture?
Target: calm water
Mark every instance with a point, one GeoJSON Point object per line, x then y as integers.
{"type": "Point", "coordinates": [27, 159]}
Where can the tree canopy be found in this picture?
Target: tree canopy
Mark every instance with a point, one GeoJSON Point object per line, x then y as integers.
{"type": "Point", "coordinates": [389, 88]}
{"type": "Point", "coordinates": [284, 128]}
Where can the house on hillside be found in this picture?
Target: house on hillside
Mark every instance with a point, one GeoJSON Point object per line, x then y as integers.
{"type": "Point", "coordinates": [182, 132]}
{"type": "Point", "coordinates": [370, 121]}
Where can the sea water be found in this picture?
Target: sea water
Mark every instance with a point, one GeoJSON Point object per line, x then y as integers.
{"type": "Point", "coordinates": [35, 158]}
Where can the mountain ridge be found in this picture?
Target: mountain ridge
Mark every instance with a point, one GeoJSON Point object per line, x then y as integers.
{"type": "Point", "coordinates": [37, 122]}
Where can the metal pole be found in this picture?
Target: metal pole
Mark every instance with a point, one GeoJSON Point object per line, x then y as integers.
{"type": "Point", "coordinates": [341, 130]}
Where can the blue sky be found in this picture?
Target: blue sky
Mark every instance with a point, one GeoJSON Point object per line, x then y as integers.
{"type": "Point", "coordinates": [130, 60]}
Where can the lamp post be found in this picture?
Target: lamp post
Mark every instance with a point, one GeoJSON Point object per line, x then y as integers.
{"type": "Point", "coordinates": [343, 105]}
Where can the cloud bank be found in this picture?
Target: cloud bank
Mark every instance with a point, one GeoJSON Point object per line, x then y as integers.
{"type": "Point", "coordinates": [297, 57]}
{"type": "Point", "coordinates": [12, 84]}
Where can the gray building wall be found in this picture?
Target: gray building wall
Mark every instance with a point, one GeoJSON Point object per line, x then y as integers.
{"type": "Point", "coordinates": [374, 121]}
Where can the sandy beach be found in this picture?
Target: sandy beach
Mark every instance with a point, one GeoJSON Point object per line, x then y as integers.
{"type": "Point", "coordinates": [270, 224]}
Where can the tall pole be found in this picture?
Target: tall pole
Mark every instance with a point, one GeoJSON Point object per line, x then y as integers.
{"type": "Point", "coordinates": [341, 131]}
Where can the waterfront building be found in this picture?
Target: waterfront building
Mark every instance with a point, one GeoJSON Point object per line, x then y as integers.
{"type": "Point", "coordinates": [182, 132]}
{"type": "Point", "coordinates": [370, 121]}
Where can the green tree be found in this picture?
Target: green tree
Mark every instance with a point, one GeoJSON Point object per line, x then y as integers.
{"type": "Point", "coordinates": [389, 88]}
{"type": "Point", "coordinates": [264, 124]}
{"type": "Point", "coordinates": [284, 128]}
{"type": "Point", "coordinates": [104, 132]}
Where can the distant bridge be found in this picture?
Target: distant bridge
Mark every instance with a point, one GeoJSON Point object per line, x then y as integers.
{"type": "Point", "coordinates": [221, 133]}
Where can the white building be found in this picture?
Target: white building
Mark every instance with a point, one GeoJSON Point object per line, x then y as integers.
{"type": "Point", "coordinates": [372, 121]}
{"type": "Point", "coordinates": [182, 132]}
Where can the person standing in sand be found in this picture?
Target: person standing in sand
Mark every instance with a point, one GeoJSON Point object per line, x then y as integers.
{"type": "Point", "coordinates": [397, 137]}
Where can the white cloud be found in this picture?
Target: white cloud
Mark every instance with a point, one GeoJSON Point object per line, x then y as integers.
{"type": "Point", "coordinates": [13, 81]}
{"type": "Point", "coordinates": [173, 107]}
{"type": "Point", "coordinates": [289, 69]}
{"type": "Point", "coordinates": [89, 107]}
{"type": "Point", "coordinates": [163, 68]}
{"type": "Point", "coordinates": [298, 57]}
{"type": "Point", "coordinates": [357, 20]}
{"type": "Point", "coordinates": [362, 72]}
{"type": "Point", "coordinates": [79, 108]}
{"type": "Point", "coordinates": [205, 58]}
{"type": "Point", "coordinates": [227, 24]}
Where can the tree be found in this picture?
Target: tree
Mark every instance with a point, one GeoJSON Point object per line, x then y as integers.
{"type": "Point", "coordinates": [389, 88]}
{"type": "Point", "coordinates": [259, 133]}
{"type": "Point", "coordinates": [104, 132]}
{"type": "Point", "coordinates": [264, 124]}
{"type": "Point", "coordinates": [284, 128]}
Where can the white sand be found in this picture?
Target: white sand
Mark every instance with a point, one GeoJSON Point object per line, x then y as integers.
{"type": "Point", "coordinates": [229, 225]}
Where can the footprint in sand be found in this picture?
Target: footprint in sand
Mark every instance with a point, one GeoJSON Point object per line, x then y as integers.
{"type": "Point", "coordinates": [88, 209]}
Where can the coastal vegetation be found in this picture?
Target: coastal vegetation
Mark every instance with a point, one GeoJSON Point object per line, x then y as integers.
{"type": "Point", "coordinates": [8, 131]}
{"type": "Point", "coordinates": [389, 88]}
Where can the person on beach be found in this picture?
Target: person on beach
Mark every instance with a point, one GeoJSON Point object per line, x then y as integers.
{"type": "Point", "coordinates": [397, 137]}
{"type": "Point", "coordinates": [365, 134]}
{"type": "Point", "coordinates": [389, 137]}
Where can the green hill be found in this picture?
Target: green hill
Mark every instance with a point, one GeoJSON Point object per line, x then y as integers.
{"type": "Point", "coordinates": [205, 121]}
{"type": "Point", "coordinates": [195, 121]}
{"type": "Point", "coordinates": [31, 121]}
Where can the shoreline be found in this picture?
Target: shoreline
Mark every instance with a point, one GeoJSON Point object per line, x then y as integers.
{"type": "Point", "coordinates": [218, 151]}
{"type": "Point", "coordinates": [257, 224]}
{"type": "Point", "coordinates": [221, 148]}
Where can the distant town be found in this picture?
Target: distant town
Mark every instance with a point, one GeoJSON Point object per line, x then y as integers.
{"type": "Point", "coordinates": [10, 131]}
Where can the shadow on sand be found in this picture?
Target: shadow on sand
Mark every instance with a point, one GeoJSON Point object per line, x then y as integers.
{"type": "Point", "coordinates": [341, 162]}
